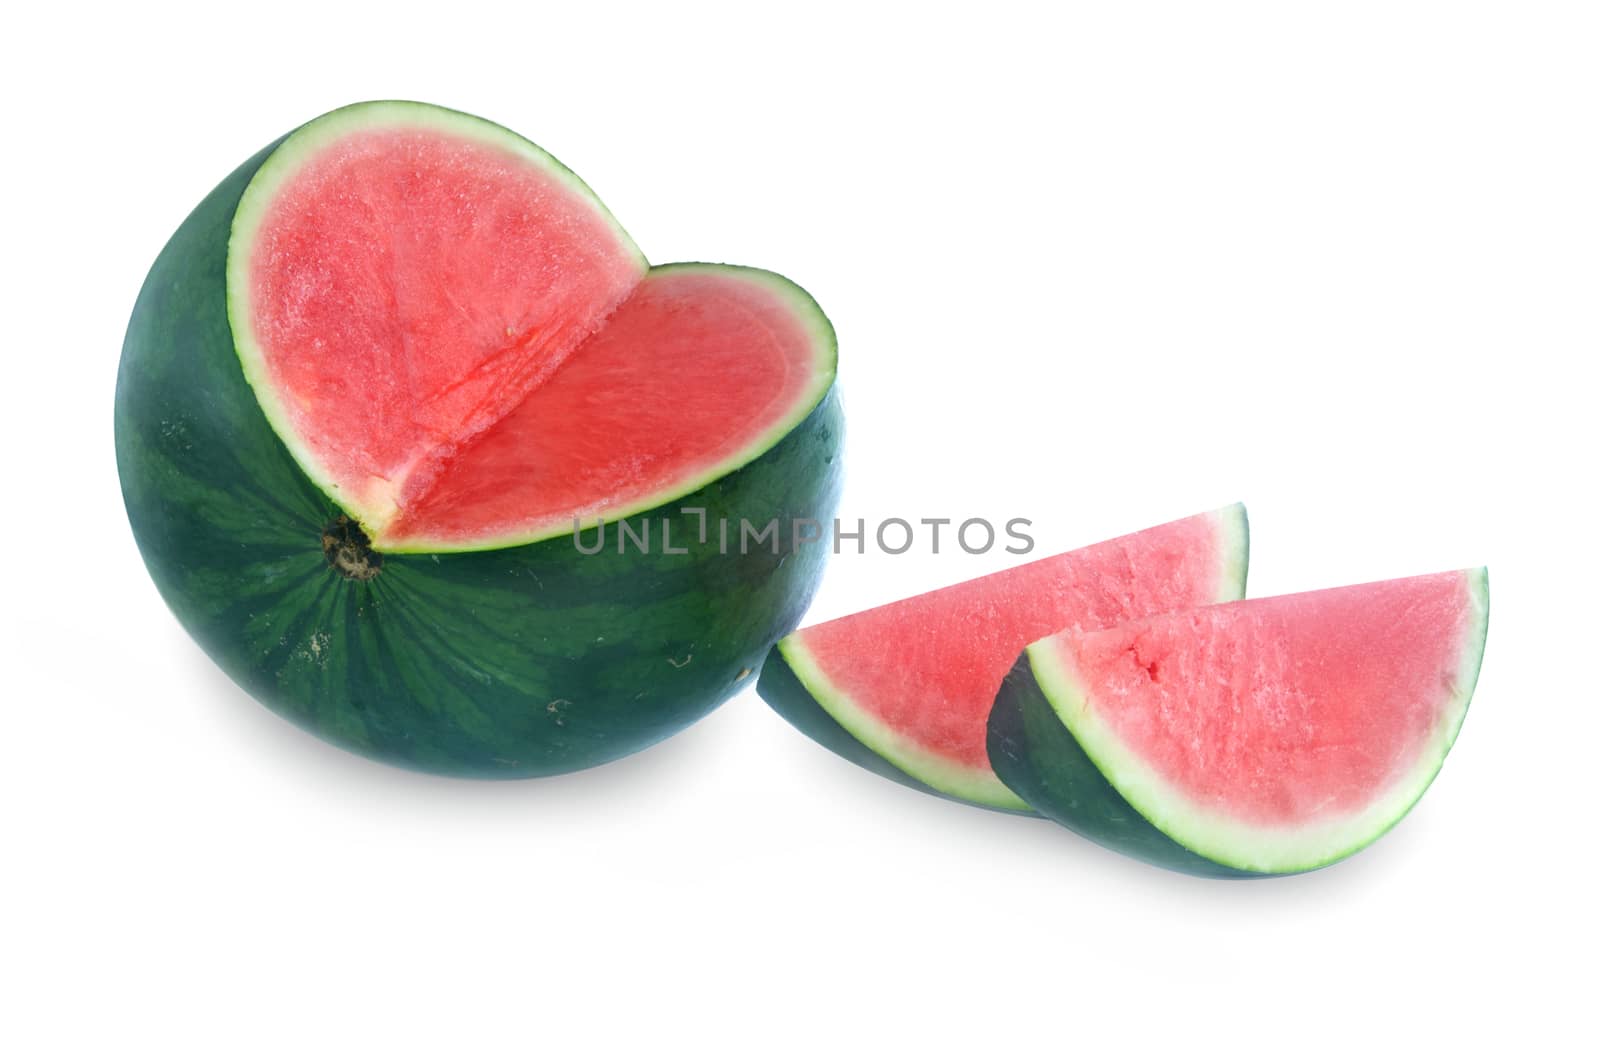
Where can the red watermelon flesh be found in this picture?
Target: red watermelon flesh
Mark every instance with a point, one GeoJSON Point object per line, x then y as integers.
{"type": "Point", "coordinates": [914, 680]}
{"type": "Point", "coordinates": [694, 369]}
{"type": "Point", "coordinates": [1282, 732]}
{"type": "Point", "coordinates": [461, 345]}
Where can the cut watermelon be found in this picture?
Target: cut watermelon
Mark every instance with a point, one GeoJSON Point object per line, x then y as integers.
{"type": "Point", "coordinates": [905, 689]}
{"type": "Point", "coordinates": [1261, 737]}
{"type": "Point", "coordinates": [406, 284]}
{"type": "Point", "coordinates": [375, 384]}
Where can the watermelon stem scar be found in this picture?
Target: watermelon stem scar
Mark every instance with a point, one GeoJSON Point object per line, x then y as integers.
{"type": "Point", "coordinates": [349, 551]}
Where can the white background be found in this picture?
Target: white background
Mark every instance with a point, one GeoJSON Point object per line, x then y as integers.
{"type": "Point", "coordinates": [1099, 268]}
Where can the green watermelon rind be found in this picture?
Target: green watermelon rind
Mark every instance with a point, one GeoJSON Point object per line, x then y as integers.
{"type": "Point", "coordinates": [800, 691]}
{"type": "Point", "coordinates": [1046, 741]}
{"type": "Point", "coordinates": [504, 663]}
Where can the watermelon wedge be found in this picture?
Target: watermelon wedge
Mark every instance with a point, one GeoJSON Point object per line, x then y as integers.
{"type": "Point", "coordinates": [1263, 737]}
{"type": "Point", "coordinates": [379, 380]}
{"type": "Point", "coordinates": [905, 689]}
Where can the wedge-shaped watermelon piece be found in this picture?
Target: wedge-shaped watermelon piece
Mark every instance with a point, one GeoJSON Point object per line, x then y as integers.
{"type": "Point", "coordinates": [376, 381]}
{"type": "Point", "coordinates": [905, 689]}
{"type": "Point", "coordinates": [1253, 738]}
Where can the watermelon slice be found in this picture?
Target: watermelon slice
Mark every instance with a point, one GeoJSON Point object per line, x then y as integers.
{"type": "Point", "coordinates": [376, 382]}
{"type": "Point", "coordinates": [1262, 737]}
{"type": "Point", "coordinates": [905, 689]}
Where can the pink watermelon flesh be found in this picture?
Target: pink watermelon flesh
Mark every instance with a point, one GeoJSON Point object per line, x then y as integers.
{"type": "Point", "coordinates": [687, 373]}
{"type": "Point", "coordinates": [915, 679]}
{"type": "Point", "coordinates": [464, 348]}
{"type": "Point", "coordinates": [1321, 709]}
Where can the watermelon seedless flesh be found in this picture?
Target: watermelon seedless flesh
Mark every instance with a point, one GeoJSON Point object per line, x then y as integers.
{"type": "Point", "coordinates": [1259, 737]}
{"type": "Point", "coordinates": [905, 689]}
{"type": "Point", "coordinates": [376, 382]}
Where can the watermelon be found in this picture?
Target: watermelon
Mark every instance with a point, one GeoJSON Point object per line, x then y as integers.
{"type": "Point", "coordinates": [905, 689]}
{"type": "Point", "coordinates": [1263, 737]}
{"type": "Point", "coordinates": [375, 387]}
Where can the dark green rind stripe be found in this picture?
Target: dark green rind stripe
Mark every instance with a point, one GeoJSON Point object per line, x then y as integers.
{"type": "Point", "coordinates": [780, 688]}
{"type": "Point", "coordinates": [531, 660]}
{"type": "Point", "coordinates": [1035, 754]}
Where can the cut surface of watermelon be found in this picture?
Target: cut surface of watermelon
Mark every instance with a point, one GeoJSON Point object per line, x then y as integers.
{"type": "Point", "coordinates": [1270, 736]}
{"type": "Point", "coordinates": [462, 347]}
{"type": "Point", "coordinates": [905, 689]}
{"type": "Point", "coordinates": [700, 369]}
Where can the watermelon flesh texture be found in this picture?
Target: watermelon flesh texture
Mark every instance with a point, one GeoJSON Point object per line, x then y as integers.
{"type": "Point", "coordinates": [697, 368]}
{"type": "Point", "coordinates": [463, 348]}
{"type": "Point", "coordinates": [905, 689]}
{"type": "Point", "coordinates": [1268, 736]}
